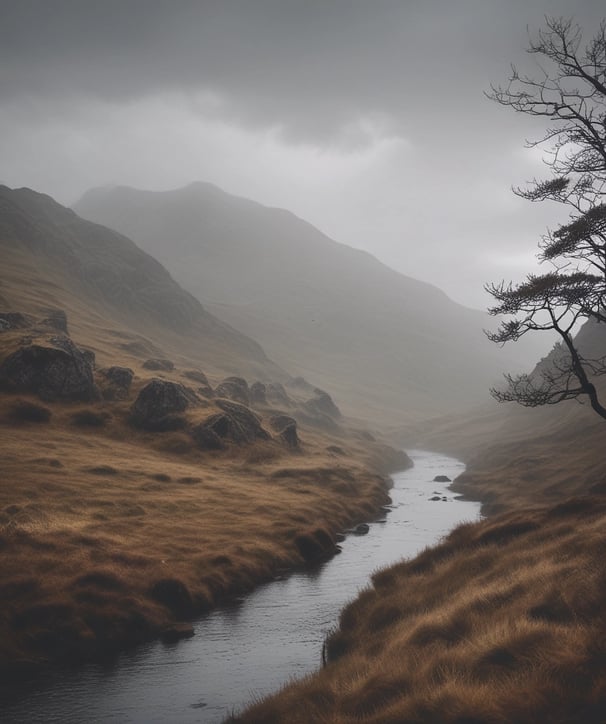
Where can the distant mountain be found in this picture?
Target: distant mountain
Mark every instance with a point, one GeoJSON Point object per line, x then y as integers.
{"type": "Point", "coordinates": [53, 258]}
{"type": "Point", "coordinates": [389, 347]}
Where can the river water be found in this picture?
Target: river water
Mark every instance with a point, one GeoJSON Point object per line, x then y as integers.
{"type": "Point", "coordinates": [251, 648]}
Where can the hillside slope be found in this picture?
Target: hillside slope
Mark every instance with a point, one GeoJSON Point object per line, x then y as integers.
{"type": "Point", "coordinates": [389, 347]}
{"type": "Point", "coordinates": [53, 258]}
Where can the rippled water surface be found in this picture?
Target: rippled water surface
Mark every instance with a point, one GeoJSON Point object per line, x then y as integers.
{"type": "Point", "coordinates": [249, 649]}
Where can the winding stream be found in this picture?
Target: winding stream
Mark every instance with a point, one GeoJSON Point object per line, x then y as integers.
{"type": "Point", "coordinates": [250, 648]}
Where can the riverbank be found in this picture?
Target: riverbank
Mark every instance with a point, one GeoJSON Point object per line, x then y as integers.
{"type": "Point", "coordinates": [503, 621]}
{"type": "Point", "coordinates": [110, 537]}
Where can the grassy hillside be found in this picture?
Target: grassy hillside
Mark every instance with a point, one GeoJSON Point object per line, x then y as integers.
{"type": "Point", "coordinates": [390, 348]}
{"type": "Point", "coordinates": [504, 620]}
{"type": "Point", "coordinates": [135, 491]}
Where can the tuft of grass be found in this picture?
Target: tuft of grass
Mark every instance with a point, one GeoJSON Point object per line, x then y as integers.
{"type": "Point", "coordinates": [501, 622]}
{"type": "Point", "coordinates": [89, 418]}
{"type": "Point", "coordinates": [26, 411]}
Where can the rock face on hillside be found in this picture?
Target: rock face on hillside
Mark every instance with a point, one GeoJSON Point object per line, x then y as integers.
{"type": "Point", "coordinates": [158, 404]}
{"type": "Point", "coordinates": [50, 366]}
{"type": "Point", "coordinates": [322, 403]}
{"type": "Point", "coordinates": [244, 425]}
{"type": "Point", "coordinates": [117, 382]}
{"type": "Point", "coordinates": [286, 427]}
{"type": "Point", "coordinates": [234, 388]}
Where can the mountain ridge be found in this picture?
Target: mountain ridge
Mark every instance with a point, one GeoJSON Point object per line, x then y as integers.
{"type": "Point", "coordinates": [390, 347]}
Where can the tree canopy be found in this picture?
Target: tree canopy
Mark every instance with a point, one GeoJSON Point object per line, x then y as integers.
{"type": "Point", "coordinates": [568, 90]}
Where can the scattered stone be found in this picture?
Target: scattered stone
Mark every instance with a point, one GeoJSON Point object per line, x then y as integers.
{"type": "Point", "coordinates": [235, 389]}
{"type": "Point", "coordinates": [156, 405]}
{"type": "Point", "coordinates": [286, 427]}
{"type": "Point", "coordinates": [258, 393]}
{"type": "Point", "coordinates": [323, 403]}
{"type": "Point", "coordinates": [277, 394]}
{"type": "Point", "coordinates": [436, 497]}
{"type": "Point", "coordinates": [245, 425]}
{"type": "Point", "coordinates": [13, 320]}
{"type": "Point", "coordinates": [361, 529]}
{"type": "Point", "coordinates": [118, 381]}
{"type": "Point", "coordinates": [205, 436]}
{"type": "Point", "coordinates": [301, 383]}
{"type": "Point", "coordinates": [442, 479]}
{"type": "Point", "coordinates": [159, 365]}
{"type": "Point", "coordinates": [53, 370]}
{"type": "Point", "coordinates": [196, 376]}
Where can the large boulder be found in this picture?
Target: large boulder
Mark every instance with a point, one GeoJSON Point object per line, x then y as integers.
{"type": "Point", "coordinates": [14, 320]}
{"type": "Point", "coordinates": [204, 387]}
{"type": "Point", "coordinates": [53, 369]}
{"type": "Point", "coordinates": [207, 437]}
{"type": "Point", "coordinates": [235, 389]}
{"type": "Point", "coordinates": [244, 425]}
{"type": "Point", "coordinates": [286, 427]}
{"type": "Point", "coordinates": [258, 394]}
{"type": "Point", "coordinates": [158, 404]}
{"type": "Point", "coordinates": [156, 364]}
{"type": "Point", "coordinates": [322, 403]}
{"type": "Point", "coordinates": [116, 382]}
{"type": "Point", "coordinates": [277, 394]}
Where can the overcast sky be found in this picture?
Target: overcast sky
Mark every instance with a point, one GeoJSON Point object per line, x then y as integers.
{"type": "Point", "coordinates": [365, 117]}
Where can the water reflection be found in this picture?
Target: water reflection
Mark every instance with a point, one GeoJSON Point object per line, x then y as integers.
{"type": "Point", "coordinates": [252, 646]}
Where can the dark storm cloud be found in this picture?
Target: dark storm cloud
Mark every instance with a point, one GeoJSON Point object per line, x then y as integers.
{"type": "Point", "coordinates": [309, 66]}
{"type": "Point", "coordinates": [365, 117]}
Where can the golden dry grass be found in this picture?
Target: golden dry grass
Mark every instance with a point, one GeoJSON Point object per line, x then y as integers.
{"type": "Point", "coordinates": [502, 622]}
{"type": "Point", "coordinates": [95, 520]}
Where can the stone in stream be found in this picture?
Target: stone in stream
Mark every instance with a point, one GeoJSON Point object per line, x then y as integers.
{"type": "Point", "coordinates": [442, 479]}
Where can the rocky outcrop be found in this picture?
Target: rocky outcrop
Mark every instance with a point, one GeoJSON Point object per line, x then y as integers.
{"type": "Point", "coordinates": [235, 423]}
{"type": "Point", "coordinates": [286, 427]}
{"type": "Point", "coordinates": [53, 369]}
{"type": "Point", "coordinates": [258, 394]}
{"type": "Point", "coordinates": [278, 395]}
{"type": "Point", "coordinates": [13, 320]}
{"type": "Point", "coordinates": [158, 404]}
{"type": "Point", "coordinates": [244, 425]}
{"type": "Point", "coordinates": [159, 365]}
{"type": "Point", "coordinates": [323, 403]}
{"type": "Point", "coordinates": [235, 389]}
{"type": "Point", "coordinates": [116, 382]}
{"type": "Point", "coordinates": [204, 387]}
{"type": "Point", "coordinates": [206, 434]}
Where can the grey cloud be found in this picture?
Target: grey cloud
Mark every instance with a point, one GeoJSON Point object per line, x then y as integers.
{"type": "Point", "coordinates": [309, 66]}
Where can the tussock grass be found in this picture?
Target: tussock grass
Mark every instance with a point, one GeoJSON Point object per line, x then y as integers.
{"type": "Point", "coordinates": [28, 411]}
{"type": "Point", "coordinates": [110, 535]}
{"type": "Point", "coordinates": [503, 621]}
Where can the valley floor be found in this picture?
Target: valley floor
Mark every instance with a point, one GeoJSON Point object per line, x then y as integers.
{"type": "Point", "coordinates": [504, 621]}
{"type": "Point", "coordinates": [112, 537]}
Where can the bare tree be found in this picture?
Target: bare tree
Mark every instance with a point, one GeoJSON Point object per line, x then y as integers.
{"type": "Point", "coordinates": [569, 91]}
